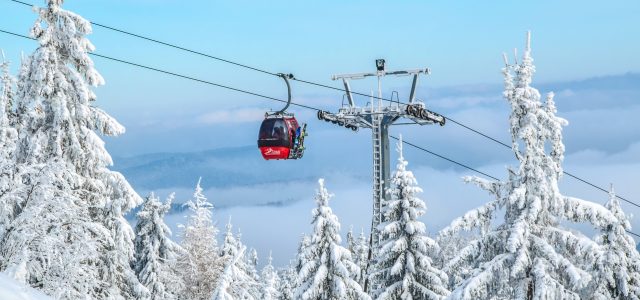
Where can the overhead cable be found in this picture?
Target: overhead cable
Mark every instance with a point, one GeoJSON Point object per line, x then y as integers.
{"type": "Point", "coordinates": [271, 98]}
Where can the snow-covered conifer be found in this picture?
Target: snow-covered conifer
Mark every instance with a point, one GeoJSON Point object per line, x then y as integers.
{"type": "Point", "coordinates": [252, 258]}
{"type": "Point", "coordinates": [287, 282]}
{"type": "Point", "coordinates": [351, 240]}
{"type": "Point", "coordinates": [234, 282]}
{"type": "Point", "coordinates": [237, 280]}
{"type": "Point", "coordinates": [200, 264]}
{"type": "Point", "coordinates": [269, 282]}
{"type": "Point", "coordinates": [359, 249]}
{"type": "Point", "coordinates": [361, 257]}
{"type": "Point", "coordinates": [70, 233]}
{"type": "Point", "coordinates": [251, 263]}
{"type": "Point", "coordinates": [9, 204]}
{"type": "Point", "coordinates": [300, 259]}
{"type": "Point", "coordinates": [7, 112]}
{"type": "Point", "coordinates": [230, 245]}
{"type": "Point", "coordinates": [404, 269]}
{"type": "Point", "coordinates": [156, 253]}
{"type": "Point", "coordinates": [327, 267]}
{"type": "Point", "coordinates": [617, 269]}
{"type": "Point", "coordinates": [301, 255]}
{"type": "Point", "coordinates": [450, 247]}
{"type": "Point", "coordinates": [530, 255]}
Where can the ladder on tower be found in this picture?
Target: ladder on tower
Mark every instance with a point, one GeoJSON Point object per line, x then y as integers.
{"type": "Point", "coordinates": [378, 184]}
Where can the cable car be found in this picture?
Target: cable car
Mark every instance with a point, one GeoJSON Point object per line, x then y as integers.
{"type": "Point", "coordinates": [280, 135]}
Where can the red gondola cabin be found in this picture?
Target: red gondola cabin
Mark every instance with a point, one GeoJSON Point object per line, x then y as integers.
{"type": "Point", "coordinates": [278, 137]}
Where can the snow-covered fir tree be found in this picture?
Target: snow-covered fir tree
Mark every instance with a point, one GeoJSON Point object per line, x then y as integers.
{"type": "Point", "coordinates": [230, 245]}
{"type": "Point", "coordinates": [269, 282]}
{"type": "Point", "coordinates": [287, 282]}
{"type": "Point", "coordinates": [359, 250]}
{"type": "Point", "coordinates": [9, 204]}
{"type": "Point", "coordinates": [351, 240]}
{"type": "Point", "coordinates": [8, 132]}
{"type": "Point", "coordinates": [236, 280]}
{"type": "Point", "coordinates": [530, 255]}
{"type": "Point", "coordinates": [361, 257]}
{"type": "Point", "coordinates": [233, 282]}
{"type": "Point", "coordinates": [251, 263]}
{"type": "Point", "coordinates": [450, 247]}
{"type": "Point", "coordinates": [404, 269]}
{"type": "Point", "coordinates": [617, 269]}
{"type": "Point", "coordinates": [156, 253]}
{"type": "Point", "coordinates": [69, 238]}
{"type": "Point", "coordinates": [301, 255]}
{"type": "Point", "coordinates": [327, 266]}
{"type": "Point", "coordinates": [252, 258]}
{"type": "Point", "coordinates": [199, 265]}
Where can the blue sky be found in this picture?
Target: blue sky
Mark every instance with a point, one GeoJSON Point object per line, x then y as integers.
{"type": "Point", "coordinates": [462, 42]}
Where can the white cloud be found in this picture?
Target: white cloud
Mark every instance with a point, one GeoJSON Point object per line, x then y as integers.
{"type": "Point", "coordinates": [241, 115]}
{"type": "Point", "coordinates": [565, 93]}
{"type": "Point", "coordinates": [445, 194]}
{"type": "Point", "coordinates": [598, 157]}
{"type": "Point", "coordinates": [463, 101]}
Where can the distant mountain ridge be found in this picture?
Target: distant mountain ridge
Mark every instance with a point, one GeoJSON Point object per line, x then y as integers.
{"type": "Point", "coordinates": [629, 80]}
{"type": "Point", "coordinates": [222, 167]}
{"type": "Point", "coordinates": [243, 166]}
{"type": "Point", "coordinates": [590, 93]}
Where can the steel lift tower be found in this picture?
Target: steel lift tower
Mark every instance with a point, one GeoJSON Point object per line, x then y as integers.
{"type": "Point", "coordinates": [379, 117]}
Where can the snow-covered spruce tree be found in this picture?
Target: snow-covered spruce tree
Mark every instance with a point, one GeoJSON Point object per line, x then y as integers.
{"type": "Point", "coordinates": [529, 256]}
{"type": "Point", "coordinates": [301, 255]}
{"type": "Point", "coordinates": [287, 282]}
{"type": "Point", "coordinates": [235, 281]}
{"type": "Point", "coordinates": [269, 282]}
{"type": "Point", "coordinates": [251, 263]}
{"type": "Point", "coordinates": [9, 204]}
{"type": "Point", "coordinates": [8, 120]}
{"type": "Point", "coordinates": [450, 247]}
{"type": "Point", "coordinates": [249, 278]}
{"type": "Point", "coordinates": [351, 240]}
{"type": "Point", "coordinates": [252, 258]}
{"type": "Point", "coordinates": [70, 235]}
{"type": "Point", "coordinates": [617, 269]}
{"type": "Point", "coordinates": [156, 253]}
{"type": "Point", "coordinates": [359, 252]}
{"type": "Point", "coordinates": [361, 257]}
{"type": "Point", "coordinates": [16, 112]}
{"type": "Point", "coordinates": [404, 269]}
{"type": "Point", "coordinates": [199, 265]}
{"type": "Point", "coordinates": [327, 267]}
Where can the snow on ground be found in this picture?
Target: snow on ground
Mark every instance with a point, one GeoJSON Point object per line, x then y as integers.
{"type": "Point", "coordinates": [10, 289]}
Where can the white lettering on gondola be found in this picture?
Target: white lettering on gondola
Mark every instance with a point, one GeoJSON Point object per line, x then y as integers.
{"type": "Point", "coordinates": [270, 151]}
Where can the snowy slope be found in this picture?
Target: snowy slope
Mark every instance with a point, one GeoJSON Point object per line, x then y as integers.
{"type": "Point", "coordinates": [12, 290]}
